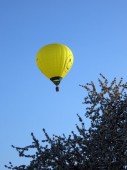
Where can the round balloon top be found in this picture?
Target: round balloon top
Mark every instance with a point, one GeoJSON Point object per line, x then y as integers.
{"type": "Point", "coordinates": [54, 61]}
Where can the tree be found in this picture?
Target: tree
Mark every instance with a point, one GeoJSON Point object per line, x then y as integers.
{"type": "Point", "coordinates": [103, 146]}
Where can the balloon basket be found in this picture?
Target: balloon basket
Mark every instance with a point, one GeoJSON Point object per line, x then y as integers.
{"type": "Point", "coordinates": [57, 89]}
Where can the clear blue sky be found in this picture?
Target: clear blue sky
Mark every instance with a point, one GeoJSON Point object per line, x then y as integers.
{"type": "Point", "coordinates": [96, 32]}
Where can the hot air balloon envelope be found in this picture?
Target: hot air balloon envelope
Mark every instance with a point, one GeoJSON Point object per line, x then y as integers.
{"type": "Point", "coordinates": [54, 61]}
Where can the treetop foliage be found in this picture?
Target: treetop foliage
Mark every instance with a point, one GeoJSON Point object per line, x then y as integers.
{"type": "Point", "coordinates": [103, 146]}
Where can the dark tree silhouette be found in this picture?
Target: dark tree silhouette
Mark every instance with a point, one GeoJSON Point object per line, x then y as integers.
{"type": "Point", "coordinates": [103, 146]}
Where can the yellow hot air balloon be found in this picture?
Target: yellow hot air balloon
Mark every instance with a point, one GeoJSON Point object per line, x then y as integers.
{"type": "Point", "coordinates": [54, 61]}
